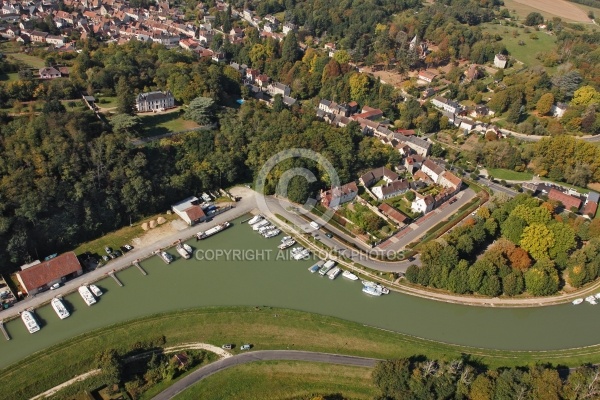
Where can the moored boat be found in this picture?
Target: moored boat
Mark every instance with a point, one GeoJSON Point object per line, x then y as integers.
{"type": "Point", "coordinates": [304, 254]}
{"type": "Point", "coordinates": [255, 219]}
{"type": "Point", "coordinates": [577, 301]}
{"type": "Point", "coordinates": [166, 257]}
{"type": "Point", "coordinates": [597, 295]}
{"type": "Point", "coordinates": [272, 233]}
{"type": "Point", "coordinates": [86, 295]}
{"type": "Point", "coordinates": [314, 268]}
{"type": "Point", "coordinates": [326, 267]}
{"type": "Point", "coordinates": [214, 230]}
{"type": "Point", "coordinates": [286, 244]}
{"type": "Point", "coordinates": [59, 308]}
{"type": "Point", "coordinates": [260, 224]}
{"type": "Point", "coordinates": [29, 321]}
{"type": "Point", "coordinates": [286, 238]}
{"type": "Point", "coordinates": [183, 252]}
{"type": "Point", "coordinates": [591, 300]}
{"type": "Point", "coordinates": [96, 290]}
{"type": "Point", "coordinates": [373, 291]}
{"type": "Point", "coordinates": [188, 248]}
{"type": "Point", "coordinates": [333, 273]}
{"type": "Point", "coordinates": [349, 275]}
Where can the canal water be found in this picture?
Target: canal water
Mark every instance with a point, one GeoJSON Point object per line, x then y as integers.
{"type": "Point", "coordinates": [287, 283]}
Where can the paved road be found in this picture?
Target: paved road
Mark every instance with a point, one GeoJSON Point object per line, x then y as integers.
{"type": "Point", "coordinates": [245, 205]}
{"type": "Point", "coordinates": [264, 355]}
{"type": "Point", "coordinates": [534, 138]}
{"type": "Point", "coordinates": [496, 187]}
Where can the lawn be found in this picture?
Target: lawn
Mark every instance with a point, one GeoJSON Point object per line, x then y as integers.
{"type": "Point", "coordinates": [257, 325]}
{"type": "Point", "coordinates": [31, 61]}
{"type": "Point", "coordinates": [508, 175]}
{"type": "Point", "coordinates": [106, 101]}
{"type": "Point", "coordinates": [521, 10]}
{"type": "Point", "coordinates": [284, 380]}
{"type": "Point", "coordinates": [10, 77]}
{"type": "Point", "coordinates": [159, 124]}
{"type": "Point", "coordinates": [527, 53]}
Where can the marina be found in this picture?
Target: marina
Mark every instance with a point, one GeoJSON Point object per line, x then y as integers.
{"type": "Point", "coordinates": [60, 308]}
{"type": "Point", "coordinates": [29, 321]}
{"type": "Point", "coordinates": [87, 295]}
{"type": "Point", "coordinates": [288, 284]}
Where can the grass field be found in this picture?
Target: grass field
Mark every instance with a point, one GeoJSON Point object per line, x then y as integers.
{"type": "Point", "coordinates": [10, 77]}
{"type": "Point", "coordinates": [527, 53]}
{"type": "Point", "coordinates": [284, 380]}
{"type": "Point", "coordinates": [158, 124]}
{"type": "Point", "coordinates": [548, 8]}
{"type": "Point", "coordinates": [31, 61]}
{"type": "Point", "coordinates": [256, 325]}
{"type": "Point", "coordinates": [508, 175]}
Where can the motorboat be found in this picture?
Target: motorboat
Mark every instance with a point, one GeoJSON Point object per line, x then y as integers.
{"type": "Point", "coordinates": [96, 290]}
{"type": "Point", "coordinates": [29, 321]}
{"type": "Point", "coordinates": [286, 238]}
{"type": "Point", "coordinates": [215, 230]}
{"type": "Point", "coordinates": [314, 268]}
{"type": "Point", "coordinates": [349, 275]}
{"type": "Point", "coordinates": [591, 300]}
{"type": "Point", "coordinates": [255, 219]}
{"type": "Point", "coordinates": [87, 296]}
{"type": "Point", "coordinates": [286, 244]}
{"type": "Point", "coordinates": [188, 248]}
{"type": "Point", "coordinates": [272, 233]}
{"type": "Point", "coordinates": [183, 252]}
{"type": "Point", "coordinates": [333, 273]}
{"type": "Point", "coordinates": [265, 228]}
{"type": "Point", "coordinates": [577, 301]}
{"type": "Point", "coordinates": [326, 267]}
{"type": "Point", "coordinates": [59, 308]}
{"type": "Point", "coordinates": [370, 290]}
{"type": "Point", "coordinates": [597, 295]}
{"type": "Point", "coordinates": [260, 224]}
{"type": "Point", "coordinates": [166, 257]}
{"type": "Point", "coordinates": [297, 250]}
{"type": "Point", "coordinates": [304, 254]}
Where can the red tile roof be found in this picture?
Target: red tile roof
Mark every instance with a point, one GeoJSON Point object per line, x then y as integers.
{"type": "Point", "coordinates": [392, 213]}
{"type": "Point", "coordinates": [48, 271]}
{"type": "Point", "coordinates": [195, 213]}
{"type": "Point", "coordinates": [566, 200]}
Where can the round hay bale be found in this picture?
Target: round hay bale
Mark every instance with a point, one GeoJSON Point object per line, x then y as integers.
{"type": "Point", "coordinates": [152, 224]}
{"type": "Point", "coordinates": [161, 220]}
{"type": "Point", "coordinates": [145, 226]}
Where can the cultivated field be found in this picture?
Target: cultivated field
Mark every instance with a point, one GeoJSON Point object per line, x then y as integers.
{"type": "Point", "coordinates": [548, 8]}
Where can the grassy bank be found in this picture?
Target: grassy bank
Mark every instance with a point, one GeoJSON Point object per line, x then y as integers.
{"type": "Point", "coordinates": [508, 175]}
{"type": "Point", "coordinates": [266, 328]}
{"type": "Point", "coordinates": [284, 380]}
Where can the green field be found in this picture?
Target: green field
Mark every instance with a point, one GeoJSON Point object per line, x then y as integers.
{"type": "Point", "coordinates": [284, 380]}
{"type": "Point", "coordinates": [508, 175]}
{"type": "Point", "coordinates": [10, 77]}
{"type": "Point", "coordinates": [527, 53]}
{"type": "Point", "coordinates": [265, 328]}
{"type": "Point", "coordinates": [31, 61]}
{"type": "Point", "coordinates": [159, 124]}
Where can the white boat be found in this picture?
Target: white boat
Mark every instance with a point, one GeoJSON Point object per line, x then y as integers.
{"type": "Point", "coordinates": [214, 230]}
{"type": "Point", "coordinates": [591, 300]}
{"type": "Point", "coordinates": [577, 301]}
{"type": "Point", "coordinates": [597, 295]}
{"type": "Point", "coordinates": [59, 308]}
{"type": "Point", "coordinates": [333, 273]}
{"type": "Point", "coordinates": [286, 244]}
{"type": "Point", "coordinates": [272, 233]}
{"type": "Point", "coordinates": [368, 284]}
{"type": "Point", "coordinates": [96, 290]}
{"type": "Point", "coordinates": [304, 254]}
{"type": "Point", "coordinates": [373, 291]}
{"type": "Point", "coordinates": [30, 322]}
{"type": "Point", "coordinates": [297, 250]}
{"type": "Point", "coordinates": [380, 288]}
{"type": "Point", "coordinates": [260, 224]}
{"type": "Point", "coordinates": [286, 238]}
{"type": "Point", "coordinates": [183, 252]}
{"type": "Point", "coordinates": [265, 228]}
{"type": "Point", "coordinates": [87, 296]}
{"type": "Point", "coordinates": [188, 248]}
{"type": "Point", "coordinates": [349, 275]}
{"type": "Point", "coordinates": [255, 219]}
{"type": "Point", "coordinates": [326, 267]}
{"type": "Point", "coordinates": [383, 289]}
{"type": "Point", "coordinates": [166, 257]}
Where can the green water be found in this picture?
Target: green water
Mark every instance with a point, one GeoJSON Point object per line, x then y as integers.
{"type": "Point", "coordinates": [288, 284]}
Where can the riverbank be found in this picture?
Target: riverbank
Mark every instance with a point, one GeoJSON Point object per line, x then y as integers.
{"type": "Point", "coordinates": [265, 328]}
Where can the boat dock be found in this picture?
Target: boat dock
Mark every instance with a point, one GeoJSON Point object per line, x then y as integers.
{"type": "Point", "coordinates": [137, 264]}
{"type": "Point", "coordinates": [112, 275]}
{"type": "Point", "coordinates": [4, 331]}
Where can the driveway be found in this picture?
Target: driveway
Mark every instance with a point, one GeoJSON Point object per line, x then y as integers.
{"type": "Point", "coordinates": [263, 355]}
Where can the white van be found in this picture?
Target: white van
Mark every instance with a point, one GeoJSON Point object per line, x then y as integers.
{"type": "Point", "coordinates": [314, 225]}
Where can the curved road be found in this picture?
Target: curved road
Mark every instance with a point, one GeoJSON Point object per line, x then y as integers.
{"type": "Point", "coordinates": [263, 355]}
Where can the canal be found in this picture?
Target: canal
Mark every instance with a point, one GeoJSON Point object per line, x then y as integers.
{"type": "Point", "coordinates": [270, 281]}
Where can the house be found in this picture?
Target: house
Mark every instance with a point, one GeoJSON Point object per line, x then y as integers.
{"type": "Point", "coordinates": [38, 276]}
{"type": "Point", "coordinates": [422, 204]}
{"type": "Point", "coordinates": [467, 124]}
{"type": "Point", "coordinates": [481, 111]}
{"type": "Point", "coordinates": [377, 174]}
{"type": "Point", "coordinates": [339, 195]}
{"type": "Point", "coordinates": [500, 61]}
{"type": "Point", "coordinates": [279, 88]}
{"type": "Point", "coordinates": [38, 37]}
{"type": "Point", "coordinates": [390, 189]}
{"type": "Point", "coordinates": [189, 210]}
{"type": "Point", "coordinates": [427, 93]}
{"type": "Point", "coordinates": [420, 146]}
{"type": "Point", "coordinates": [369, 113]}
{"type": "Point", "coordinates": [447, 105]}
{"type": "Point", "coordinates": [591, 204]}
{"type": "Point", "coordinates": [532, 187]}
{"type": "Point", "coordinates": [413, 162]}
{"type": "Point", "coordinates": [558, 109]}
{"type": "Point", "coordinates": [392, 213]}
{"type": "Point", "coordinates": [426, 76]}
{"type": "Point", "coordinates": [432, 170]}
{"type": "Point", "coordinates": [450, 181]}
{"type": "Point", "coordinates": [472, 73]}
{"type": "Point", "coordinates": [288, 27]}
{"type": "Point", "coordinates": [568, 202]}
{"type": "Point", "coordinates": [55, 40]}
{"type": "Point", "coordinates": [49, 73]}
{"type": "Point", "coordinates": [154, 101]}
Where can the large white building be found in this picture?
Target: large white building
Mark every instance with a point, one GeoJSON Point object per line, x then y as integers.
{"type": "Point", "coordinates": [154, 101]}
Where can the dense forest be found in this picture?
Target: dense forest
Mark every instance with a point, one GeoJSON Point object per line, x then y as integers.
{"type": "Point", "coordinates": [418, 378]}
{"type": "Point", "coordinates": [511, 247]}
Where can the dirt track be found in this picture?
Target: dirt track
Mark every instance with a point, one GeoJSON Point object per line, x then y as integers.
{"type": "Point", "coordinates": [558, 7]}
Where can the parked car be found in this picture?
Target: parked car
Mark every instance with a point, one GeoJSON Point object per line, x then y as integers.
{"type": "Point", "coordinates": [118, 253]}
{"type": "Point", "coordinates": [128, 247]}
{"type": "Point", "coordinates": [329, 235]}
{"type": "Point", "coordinates": [106, 258]}
{"type": "Point", "coordinates": [112, 255]}
{"type": "Point", "coordinates": [228, 346]}
{"type": "Point", "coordinates": [55, 286]}
{"type": "Point", "coordinates": [453, 200]}
{"type": "Point", "coordinates": [246, 347]}
{"type": "Point", "coordinates": [108, 250]}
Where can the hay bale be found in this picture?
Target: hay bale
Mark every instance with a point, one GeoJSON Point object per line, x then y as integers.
{"type": "Point", "coordinates": [145, 226]}
{"type": "Point", "coordinates": [152, 224]}
{"type": "Point", "coordinates": [161, 220]}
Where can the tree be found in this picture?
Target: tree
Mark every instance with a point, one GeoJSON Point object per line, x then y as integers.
{"type": "Point", "coordinates": [410, 195]}
{"type": "Point", "coordinates": [533, 19]}
{"type": "Point", "coordinates": [412, 273]}
{"type": "Point", "coordinates": [392, 378]}
{"type": "Point", "coordinates": [537, 239]}
{"type": "Point", "coordinates": [544, 104]}
{"type": "Point", "coordinates": [532, 215]}
{"type": "Point", "coordinates": [298, 190]}
{"type": "Point", "coordinates": [110, 364]}
{"type": "Point", "coordinates": [585, 96]}
{"type": "Point", "coordinates": [512, 228]}
{"type": "Point", "coordinates": [577, 275]}
{"type": "Point", "coordinates": [278, 105]}
{"type": "Point", "coordinates": [53, 106]}
{"type": "Point", "coordinates": [482, 388]}
{"type": "Point", "coordinates": [201, 110]}
{"type": "Point", "coordinates": [564, 239]}
{"type": "Point", "coordinates": [437, 150]}
{"type": "Point", "coordinates": [542, 280]}
{"type": "Point", "coordinates": [125, 123]}
{"type": "Point", "coordinates": [359, 86]}
{"type": "Point", "coordinates": [125, 98]}
{"type": "Point", "coordinates": [519, 259]}
{"type": "Point", "coordinates": [290, 52]}
{"type": "Point", "coordinates": [513, 284]}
